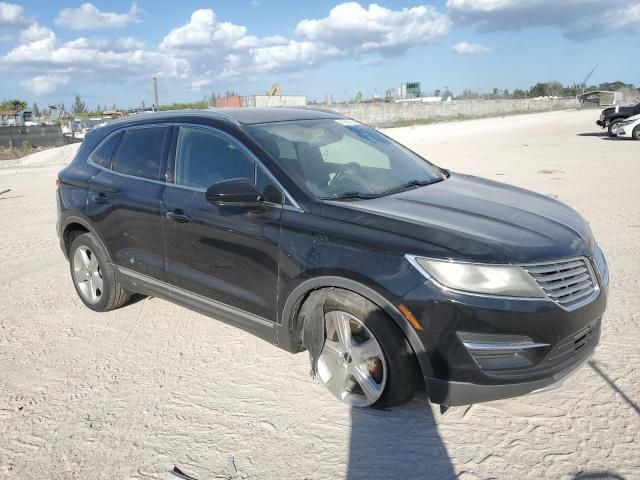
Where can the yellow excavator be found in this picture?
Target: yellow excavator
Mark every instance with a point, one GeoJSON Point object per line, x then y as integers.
{"type": "Point", "coordinates": [275, 90]}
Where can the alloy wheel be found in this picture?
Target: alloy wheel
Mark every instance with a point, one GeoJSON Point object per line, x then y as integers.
{"type": "Point", "coordinates": [87, 274]}
{"type": "Point", "coordinates": [352, 363]}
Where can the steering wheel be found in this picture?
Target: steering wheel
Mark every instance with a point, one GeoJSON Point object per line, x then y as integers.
{"type": "Point", "coordinates": [350, 172]}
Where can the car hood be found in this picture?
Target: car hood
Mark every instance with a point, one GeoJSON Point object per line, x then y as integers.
{"type": "Point", "coordinates": [475, 219]}
{"type": "Point", "coordinates": [618, 110]}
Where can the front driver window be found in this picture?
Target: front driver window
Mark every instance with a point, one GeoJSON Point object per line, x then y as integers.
{"type": "Point", "coordinates": [204, 157]}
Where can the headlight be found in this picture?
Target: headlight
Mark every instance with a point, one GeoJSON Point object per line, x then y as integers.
{"type": "Point", "coordinates": [601, 264]}
{"type": "Point", "coordinates": [503, 280]}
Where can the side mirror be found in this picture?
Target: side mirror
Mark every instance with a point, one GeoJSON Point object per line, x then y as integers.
{"type": "Point", "coordinates": [237, 192]}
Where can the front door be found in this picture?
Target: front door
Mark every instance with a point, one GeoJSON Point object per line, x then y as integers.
{"type": "Point", "coordinates": [228, 255]}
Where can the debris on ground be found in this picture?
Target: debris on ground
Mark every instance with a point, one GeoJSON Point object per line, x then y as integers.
{"type": "Point", "coordinates": [176, 472]}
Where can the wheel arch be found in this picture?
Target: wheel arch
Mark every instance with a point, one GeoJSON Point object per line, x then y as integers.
{"type": "Point", "coordinates": [75, 223]}
{"type": "Point", "coordinates": [301, 292]}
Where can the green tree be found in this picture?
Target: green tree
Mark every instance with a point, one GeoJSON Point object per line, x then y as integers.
{"type": "Point", "coordinates": [554, 89]}
{"type": "Point", "coordinates": [518, 93]}
{"type": "Point", "coordinates": [614, 86]}
{"type": "Point", "coordinates": [143, 105]}
{"type": "Point", "coordinates": [79, 107]}
{"type": "Point", "coordinates": [15, 104]}
{"type": "Point", "coordinates": [468, 93]}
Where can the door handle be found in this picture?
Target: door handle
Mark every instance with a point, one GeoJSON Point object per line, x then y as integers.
{"type": "Point", "coordinates": [100, 198]}
{"type": "Point", "coordinates": [178, 216]}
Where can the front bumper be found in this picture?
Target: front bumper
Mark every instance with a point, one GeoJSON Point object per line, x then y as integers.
{"type": "Point", "coordinates": [458, 377]}
{"type": "Point", "coordinates": [462, 393]}
{"type": "Point", "coordinates": [601, 123]}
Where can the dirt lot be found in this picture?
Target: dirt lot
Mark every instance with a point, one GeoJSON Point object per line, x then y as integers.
{"type": "Point", "coordinates": [130, 393]}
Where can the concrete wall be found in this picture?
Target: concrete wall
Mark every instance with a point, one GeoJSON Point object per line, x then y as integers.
{"type": "Point", "coordinates": [38, 136]}
{"type": "Point", "coordinates": [263, 101]}
{"type": "Point", "coordinates": [389, 114]}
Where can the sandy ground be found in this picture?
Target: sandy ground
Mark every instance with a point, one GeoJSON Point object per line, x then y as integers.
{"type": "Point", "coordinates": [130, 393]}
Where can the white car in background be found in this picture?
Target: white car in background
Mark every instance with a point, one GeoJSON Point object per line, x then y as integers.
{"type": "Point", "coordinates": [630, 128]}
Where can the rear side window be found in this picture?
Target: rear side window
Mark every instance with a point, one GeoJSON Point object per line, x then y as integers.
{"type": "Point", "coordinates": [103, 154]}
{"type": "Point", "coordinates": [204, 157]}
{"type": "Point", "coordinates": [140, 152]}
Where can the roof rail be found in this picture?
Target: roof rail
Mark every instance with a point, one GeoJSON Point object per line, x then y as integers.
{"type": "Point", "coordinates": [323, 110]}
{"type": "Point", "coordinates": [225, 115]}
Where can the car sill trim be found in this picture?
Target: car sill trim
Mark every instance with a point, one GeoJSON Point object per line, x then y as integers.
{"type": "Point", "coordinates": [195, 297]}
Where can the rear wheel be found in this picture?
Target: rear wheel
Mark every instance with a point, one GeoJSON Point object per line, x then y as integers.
{"type": "Point", "coordinates": [366, 360]}
{"type": "Point", "coordinates": [93, 276]}
{"type": "Point", "coordinates": [636, 133]}
{"type": "Point", "coordinates": [613, 125]}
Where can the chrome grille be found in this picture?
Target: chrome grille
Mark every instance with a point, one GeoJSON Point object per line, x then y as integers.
{"type": "Point", "coordinates": [570, 283]}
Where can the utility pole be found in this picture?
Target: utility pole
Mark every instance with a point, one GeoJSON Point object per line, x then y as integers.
{"type": "Point", "coordinates": [155, 92]}
{"type": "Point", "coordinates": [345, 94]}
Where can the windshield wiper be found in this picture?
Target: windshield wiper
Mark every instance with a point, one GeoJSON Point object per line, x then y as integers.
{"type": "Point", "coordinates": [410, 184]}
{"type": "Point", "coordinates": [400, 188]}
{"type": "Point", "coordinates": [350, 196]}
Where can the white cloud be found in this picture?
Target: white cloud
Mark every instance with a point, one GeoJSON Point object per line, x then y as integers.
{"type": "Point", "coordinates": [204, 30]}
{"type": "Point", "coordinates": [44, 84]}
{"type": "Point", "coordinates": [88, 17]}
{"type": "Point", "coordinates": [36, 32]}
{"type": "Point", "coordinates": [464, 48]}
{"type": "Point", "coordinates": [206, 49]}
{"type": "Point", "coordinates": [12, 15]}
{"type": "Point", "coordinates": [93, 57]}
{"type": "Point", "coordinates": [350, 30]}
{"type": "Point", "coordinates": [351, 26]}
{"type": "Point", "coordinates": [577, 19]}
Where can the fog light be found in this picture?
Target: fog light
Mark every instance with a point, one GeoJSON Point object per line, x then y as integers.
{"type": "Point", "coordinates": [501, 352]}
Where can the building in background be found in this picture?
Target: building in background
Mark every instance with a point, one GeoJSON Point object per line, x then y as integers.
{"type": "Point", "coordinates": [16, 118]}
{"type": "Point", "coordinates": [404, 91]}
{"type": "Point", "coordinates": [261, 101]}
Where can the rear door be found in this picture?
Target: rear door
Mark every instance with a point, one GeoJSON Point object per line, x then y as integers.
{"type": "Point", "coordinates": [225, 254]}
{"type": "Point", "coordinates": [125, 198]}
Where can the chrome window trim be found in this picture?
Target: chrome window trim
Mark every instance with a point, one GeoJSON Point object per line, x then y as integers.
{"type": "Point", "coordinates": [293, 207]}
{"type": "Point", "coordinates": [412, 259]}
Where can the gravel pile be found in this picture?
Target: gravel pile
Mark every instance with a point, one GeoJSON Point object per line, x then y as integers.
{"type": "Point", "coordinates": [46, 158]}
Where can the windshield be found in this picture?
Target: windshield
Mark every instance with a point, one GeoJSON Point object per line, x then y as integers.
{"type": "Point", "coordinates": [341, 158]}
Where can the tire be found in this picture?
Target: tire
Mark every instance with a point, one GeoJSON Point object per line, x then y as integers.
{"type": "Point", "coordinates": [93, 277]}
{"type": "Point", "coordinates": [612, 124]}
{"type": "Point", "coordinates": [636, 133]}
{"type": "Point", "coordinates": [395, 384]}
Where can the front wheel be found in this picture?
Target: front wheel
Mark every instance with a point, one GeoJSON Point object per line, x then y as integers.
{"type": "Point", "coordinates": [612, 126]}
{"type": "Point", "coordinates": [366, 361]}
{"type": "Point", "coordinates": [636, 133]}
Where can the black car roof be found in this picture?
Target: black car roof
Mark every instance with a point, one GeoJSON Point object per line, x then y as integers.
{"type": "Point", "coordinates": [250, 116]}
{"type": "Point", "coordinates": [245, 116]}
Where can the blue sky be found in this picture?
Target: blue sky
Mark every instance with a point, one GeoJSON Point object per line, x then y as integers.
{"type": "Point", "coordinates": [107, 51]}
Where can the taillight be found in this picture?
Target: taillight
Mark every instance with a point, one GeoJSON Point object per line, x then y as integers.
{"type": "Point", "coordinates": [58, 182]}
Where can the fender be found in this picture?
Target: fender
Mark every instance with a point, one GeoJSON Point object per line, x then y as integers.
{"type": "Point", "coordinates": [80, 219]}
{"type": "Point", "coordinates": [293, 301]}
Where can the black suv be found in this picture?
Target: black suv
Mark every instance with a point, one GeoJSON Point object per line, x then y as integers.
{"type": "Point", "coordinates": [612, 116]}
{"type": "Point", "coordinates": [318, 233]}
